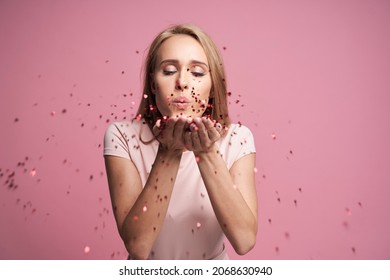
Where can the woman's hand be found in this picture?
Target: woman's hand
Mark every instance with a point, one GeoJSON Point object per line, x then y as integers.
{"type": "Point", "coordinates": [202, 135]}
{"type": "Point", "coordinates": [170, 133]}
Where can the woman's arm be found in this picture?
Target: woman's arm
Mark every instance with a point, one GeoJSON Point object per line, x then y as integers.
{"type": "Point", "coordinates": [232, 193]}
{"type": "Point", "coordinates": [140, 211]}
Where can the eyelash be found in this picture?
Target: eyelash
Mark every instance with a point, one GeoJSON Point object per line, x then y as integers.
{"type": "Point", "coordinates": [196, 74]}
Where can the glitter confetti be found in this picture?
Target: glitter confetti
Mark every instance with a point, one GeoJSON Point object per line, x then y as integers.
{"type": "Point", "coordinates": [198, 225]}
{"type": "Point", "coordinates": [255, 170]}
{"type": "Point", "coordinates": [87, 249]}
{"type": "Point", "coordinates": [145, 209]}
{"type": "Point", "coordinates": [273, 136]}
{"type": "Point", "coordinates": [145, 96]}
{"type": "Point", "coordinates": [33, 173]}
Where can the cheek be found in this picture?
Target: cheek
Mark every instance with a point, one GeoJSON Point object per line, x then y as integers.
{"type": "Point", "coordinates": [201, 89]}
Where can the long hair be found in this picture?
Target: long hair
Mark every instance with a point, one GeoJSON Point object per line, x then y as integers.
{"type": "Point", "coordinates": [217, 108]}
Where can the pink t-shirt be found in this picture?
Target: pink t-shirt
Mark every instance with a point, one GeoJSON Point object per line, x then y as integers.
{"type": "Point", "coordinates": [190, 229]}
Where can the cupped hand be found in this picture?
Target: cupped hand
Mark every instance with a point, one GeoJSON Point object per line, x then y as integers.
{"type": "Point", "coordinates": [170, 133]}
{"type": "Point", "coordinates": [202, 135]}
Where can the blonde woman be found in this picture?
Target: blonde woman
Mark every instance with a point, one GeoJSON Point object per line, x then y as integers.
{"type": "Point", "coordinates": [181, 176]}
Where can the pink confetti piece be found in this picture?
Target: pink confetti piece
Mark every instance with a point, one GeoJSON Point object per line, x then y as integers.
{"type": "Point", "coordinates": [145, 209]}
{"type": "Point", "coordinates": [53, 113]}
{"type": "Point", "coordinates": [255, 170]}
{"type": "Point", "coordinates": [273, 135]}
{"type": "Point", "coordinates": [33, 173]}
{"type": "Point", "coordinates": [197, 159]}
{"type": "Point", "coordinates": [87, 249]}
{"type": "Point", "coordinates": [198, 225]}
{"type": "Point", "coordinates": [145, 96]}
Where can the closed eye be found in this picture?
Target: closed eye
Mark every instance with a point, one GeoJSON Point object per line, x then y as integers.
{"type": "Point", "coordinates": [169, 72]}
{"type": "Point", "coordinates": [198, 74]}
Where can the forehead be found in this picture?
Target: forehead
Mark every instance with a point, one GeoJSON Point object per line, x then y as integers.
{"type": "Point", "coordinates": [182, 48]}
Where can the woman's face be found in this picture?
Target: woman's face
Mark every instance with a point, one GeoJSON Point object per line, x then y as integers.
{"type": "Point", "coordinates": [181, 80]}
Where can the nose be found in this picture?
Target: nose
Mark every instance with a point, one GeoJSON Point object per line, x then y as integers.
{"type": "Point", "coordinates": [181, 82]}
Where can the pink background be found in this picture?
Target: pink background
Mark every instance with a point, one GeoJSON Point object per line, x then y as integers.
{"type": "Point", "coordinates": [314, 74]}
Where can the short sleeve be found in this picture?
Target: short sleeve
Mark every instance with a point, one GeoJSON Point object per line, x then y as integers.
{"type": "Point", "coordinates": [242, 140]}
{"type": "Point", "coordinates": [116, 141]}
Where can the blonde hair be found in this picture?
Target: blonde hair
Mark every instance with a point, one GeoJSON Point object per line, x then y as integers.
{"type": "Point", "coordinates": [218, 108]}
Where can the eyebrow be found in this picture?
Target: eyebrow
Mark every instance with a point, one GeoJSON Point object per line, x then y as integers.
{"type": "Point", "coordinates": [177, 62]}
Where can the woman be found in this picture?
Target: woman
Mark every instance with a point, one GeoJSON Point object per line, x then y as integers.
{"type": "Point", "coordinates": [181, 176]}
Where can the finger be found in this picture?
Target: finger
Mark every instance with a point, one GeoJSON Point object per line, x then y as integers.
{"type": "Point", "coordinates": [179, 129]}
{"type": "Point", "coordinates": [167, 131]}
{"type": "Point", "coordinates": [202, 133]}
{"type": "Point", "coordinates": [213, 133]}
{"type": "Point", "coordinates": [157, 128]}
{"type": "Point", "coordinates": [218, 127]}
{"type": "Point", "coordinates": [188, 141]}
{"type": "Point", "coordinates": [196, 141]}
